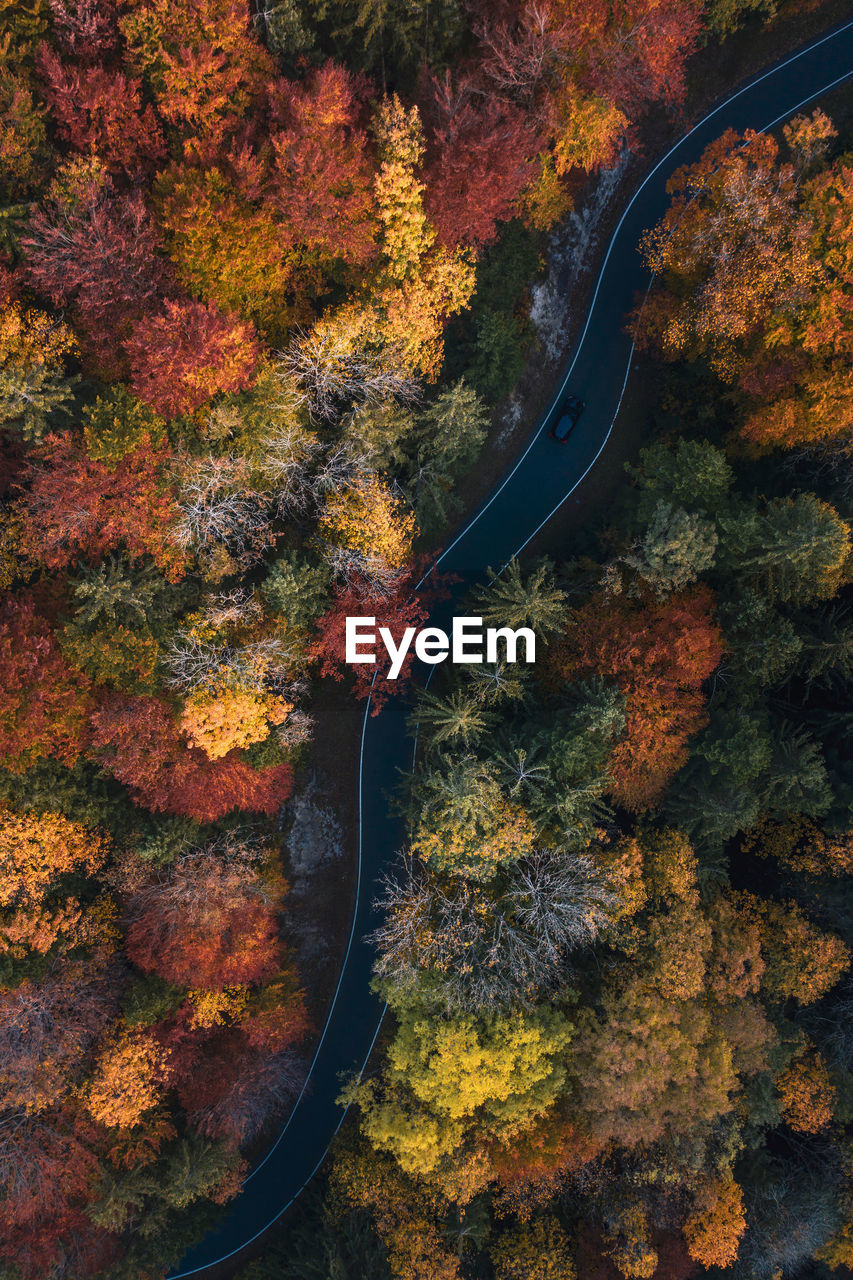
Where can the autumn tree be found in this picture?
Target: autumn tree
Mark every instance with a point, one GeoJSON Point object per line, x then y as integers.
{"type": "Point", "coordinates": [481, 150]}
{"type": "Point", "coordinates": [716, 1223]}
{"type": "Point", "coordinates": [209, 922]}
{"type": "Point", "coordinates": [86, 29]}
{"type": "Point", "coordinates": [101, 113]}
{"type": "Point", "coordinates": [95, 248]}
{"type": "Point", "coordinates": [732, 227]}
{"type": "Point", "coordinates": [658, 655]}
{"type": "Point", "coordinates": [78, 507]}
{"type": "Point", "coordinates": [229, 249]}
{"type": "Point", "coordinates": [477, 946]}
{"type": "Point", "coordinates": [535, 1250]}
{"type": "Point", "coordinates": [35, 388]}
{"type": "Point", "coordinates": [188, 353]}
{"type": "Point", "coordinates": [203, 65]}
{"type": "Point", "coordinates": [367, 531]}
{"type": "Point", "coordinates": [647, 1064]}
{"type": "Point", "coordinates": [496, 1074]}
{"type": "Point", "coordinates": [321, 179]}
{"type": "Point", "coordinates": [127, 1081]}
{"type": "Point", "coordinates": [43, 702]}
{"type": "Point", "coordinates": [24, 148]}
{"type": "Point", "coordinates": [36, 851]}
{"type": "Point", "coordinates": [48, 1030]}
{"type": "Point", "coordinates": [806, 1093]}
{"type": "Point", "coordinates": [141, 745]}
{"type": "Point", "coordinates": [803, 961]}
{"type": "Point", "coordinates": [465, 824]}
{"type": "Point", "coordinates": [219, 720]}
{"type": "Point", "coordinates": [116, 424]}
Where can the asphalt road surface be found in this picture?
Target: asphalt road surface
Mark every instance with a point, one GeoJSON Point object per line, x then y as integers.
{"type": "Point", "coordinates": [542, 478]}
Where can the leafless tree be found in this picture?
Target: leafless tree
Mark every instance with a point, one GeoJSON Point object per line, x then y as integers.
{"type": "Point", "coordinates": [261, 1092]}
{"type": "Point", "coordinates": [232, 607]}
{"type": "Point", "coordinates": [219, 506]}
{"type": "Point", "coordinates": [519, 57]}
{"type": "Point", "coordinates": [297, 728]}
{"type": "Point", "coordinates": [193, 663]}
{"type": "Point", "coordinates": [332, 375]}
{"type": "Point", "coordinates": [37, 1155]}
{"type": "Point", "coordinates": [341, 465]}
{"type": "Point", "coordinates": [482, 950]}
{"type": "Point", "coordinates": [46, 1029]}
{"type": "Point", "coordinates": [287, 461]}
{"type": "Point", "coordinates": [202, 884]}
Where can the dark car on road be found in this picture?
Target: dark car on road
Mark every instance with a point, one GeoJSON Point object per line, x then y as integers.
{"type": "Point", "coordinates": [568, 419]}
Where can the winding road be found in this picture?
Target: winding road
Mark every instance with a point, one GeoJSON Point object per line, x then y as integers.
{"type": "Point", "coordinates": [540, 481]}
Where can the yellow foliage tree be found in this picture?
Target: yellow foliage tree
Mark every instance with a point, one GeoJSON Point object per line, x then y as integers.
{"type": "Point", "coordinates": [587, 129]}
{"type": "Point", "coordinates": [507, 835]}
{"type": "Point", "coordinates": [399, 194]}
{"type": "Point", "coordinates": [127, 1081]}
{"type": "Point", "coordinates": [535, 1250]}
{"type": "Point", "coordinates": [369, 526]}
{"type": "Point", "coordinates": [445, 1076]}
{"type": "Point", "coordinates": [223, 719]}
{"type": "Point", "coordinates": [546, 200]}
{"type": "Point", "coordinates": [217, 1008]}
{"type": "Point", "coordinates": [670, 867]}
{"type": "Point", "coordinates": [37, 848]}
{"type": "Point", "coordinates": [29, 337]}
{"type": "Point", "coordinates": [418, 283]}
{"type": "Point", "coordinates": [628, 1244]}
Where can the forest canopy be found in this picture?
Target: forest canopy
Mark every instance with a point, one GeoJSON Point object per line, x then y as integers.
{"type": "Point", "coordinates": [264, 277]}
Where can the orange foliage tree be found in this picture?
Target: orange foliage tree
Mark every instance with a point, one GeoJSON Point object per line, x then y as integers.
{"type": "Point", "coordinates": [77, 507]}
{"type": "Point", "coordinates": [42, 701]}
{"type": "Point", "coordinates": [189, 353]}
{"type": "Point", "coordinates": [658, 653]}
{"type": "Point", "coordinates": [716, 1223]}
{"type": "Point", "coordinates": [210, 923]}
{"type": "Point", "coordinates": [129, 1074]}
{"type": "Point", "coordinates": [140, 744]}
{"type": "Point", "coordinates": [36, 849]}
{"type": "Point", "coordinates": [806, 1093]}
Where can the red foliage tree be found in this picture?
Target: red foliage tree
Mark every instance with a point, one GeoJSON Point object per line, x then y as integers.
{"type": "Point", "coordinates": [658, 653]}
{"type": "Point", "coordinates": [321, 180]}
{"type": "Point", "coordinates": [46, 1032]}
{"type": "Point", "coordinates": [233, 1096]}
{"type": "Point", "coordinates": [398, 609]}
{"type": "Point", "coordinates": [187, 354]}
{"type": "Point", "coordinates": [87, 29]}
{"type": "Point", "coordinates": [633, 51]}
{"type": "Point", "coordinates": [48, 1172]}
{"type": "Point", "coordinates": [96, 249]}
{"type": "Point", "coordinates": [101, 112]}
{"type": "Point", "coordinates": [520, 45]}
{"type": "Point", "coordinates": [481, 149]}
{"type": "Point", "coordinates": [44, 1168]}
{"type": "Point", "coordinates": [140, 744]}
{"type": "Point", "coordinates": [69, 1244]}
{"type": "Point", "coordinates": [79, 508]}
{"type": "Point", "coordinates": [208, 925]}
{"type": "Point", "coordinates": [42, 701]}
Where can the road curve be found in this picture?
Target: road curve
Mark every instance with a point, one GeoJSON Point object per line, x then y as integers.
{"type": "Point", "coordinates": [539, 483]}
